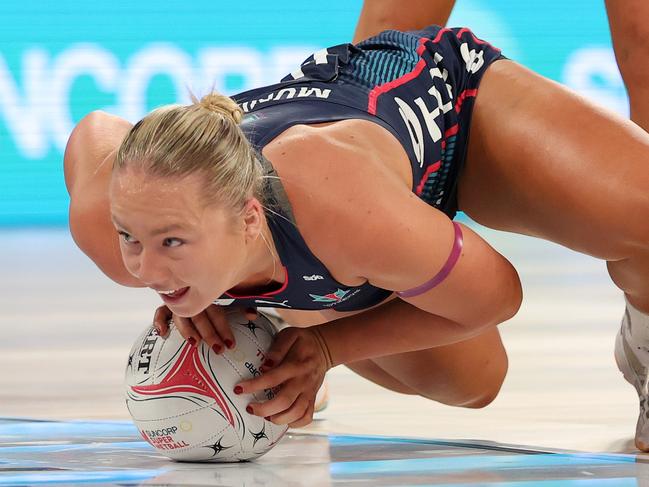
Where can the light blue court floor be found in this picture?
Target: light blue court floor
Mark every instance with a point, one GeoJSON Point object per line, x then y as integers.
{"type": "Point", "coordinates": [36, 452]}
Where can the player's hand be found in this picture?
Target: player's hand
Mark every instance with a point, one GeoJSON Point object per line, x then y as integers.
{"type": "Point", "coordinates": [210, 325]}
{"type": "Point", "coordinates": [295, 364]}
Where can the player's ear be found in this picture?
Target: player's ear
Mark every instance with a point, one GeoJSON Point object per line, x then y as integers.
{"type": "Point", "coordinates": [253, 216]}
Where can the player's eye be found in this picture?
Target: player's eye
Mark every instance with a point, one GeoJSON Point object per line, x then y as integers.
{"type": "Point", "coordinates": [168, 242]}
{"type": "Point", "coordinates": [126, 237]}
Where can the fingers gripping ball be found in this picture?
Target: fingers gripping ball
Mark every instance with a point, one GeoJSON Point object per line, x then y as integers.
{"type": "Point", "coordinates": [181, 396]}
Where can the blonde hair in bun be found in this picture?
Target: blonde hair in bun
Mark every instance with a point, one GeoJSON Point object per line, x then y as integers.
{"type": "Point", "coordinates": [226, 106]}
{"type": "Point", "coordinates": [205, 138]}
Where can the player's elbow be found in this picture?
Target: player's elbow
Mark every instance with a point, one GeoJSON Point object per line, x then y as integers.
{"type": "Point", "coordinates": [79, 145]}
{"type": "Point", "coordinates": [514, 293]}
{"type": "Point", "coordinates": [497, 300]}
{"type": "Point", "coordinates": [507, 296]}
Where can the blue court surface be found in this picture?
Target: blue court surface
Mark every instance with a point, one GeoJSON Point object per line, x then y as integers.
{"type": "Point", "coordinates": [35, 452]}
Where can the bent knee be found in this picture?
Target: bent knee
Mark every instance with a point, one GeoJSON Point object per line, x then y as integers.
{"type": "Point", "coordinates": [480, 398]}
{"type": "Point", "coordinates": [477, 394]}
{"type": "Point", "coordinates": [466, 398]}
{"type": "Point", "coordinates": [481, 401]}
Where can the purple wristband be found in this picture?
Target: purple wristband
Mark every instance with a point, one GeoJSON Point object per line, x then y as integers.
{"type": "Point", "coordinates": [443, 274]}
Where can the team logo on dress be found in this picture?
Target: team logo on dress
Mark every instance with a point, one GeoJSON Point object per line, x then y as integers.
{"type": "Point", "coordinates": [336, 297]}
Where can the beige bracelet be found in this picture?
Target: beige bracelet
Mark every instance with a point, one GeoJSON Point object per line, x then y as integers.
{"type": "Point", "coordinates": [324, 346]}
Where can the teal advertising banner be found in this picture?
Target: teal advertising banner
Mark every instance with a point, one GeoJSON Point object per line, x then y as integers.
{"type": "Point", "coordinates": [61, 60]}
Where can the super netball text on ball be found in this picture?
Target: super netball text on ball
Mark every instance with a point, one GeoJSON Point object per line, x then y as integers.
{"type": "Point", "coordinates": [163, 438]}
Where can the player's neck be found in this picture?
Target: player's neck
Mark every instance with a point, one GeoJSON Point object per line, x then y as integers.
{"type": "Point", "coordinates": [265, 270]}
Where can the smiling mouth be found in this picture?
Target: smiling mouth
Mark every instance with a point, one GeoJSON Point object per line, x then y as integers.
{"type": "Point", "coordinates": [174, 295]}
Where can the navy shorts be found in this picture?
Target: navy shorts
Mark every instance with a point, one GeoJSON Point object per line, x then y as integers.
{"type": "Point", "coordinates": [424, 83]}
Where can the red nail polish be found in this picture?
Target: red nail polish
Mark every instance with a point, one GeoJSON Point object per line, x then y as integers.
{"type": "Point", "coordinates": [238, 389]}
{"type": "Point", "coordinates": [249, 409]}
{"type": "Point", "coordinates": [228, 343]}
{"type": "Point", "coordinates": [269, 363]}
{"type": "Point", "coordinates": [217, 348]}
{"type": "Point", "coordinates": [192, 341]}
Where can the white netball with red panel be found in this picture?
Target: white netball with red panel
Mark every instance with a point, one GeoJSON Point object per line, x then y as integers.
{"type": "Point", "coordinates": [181, 397]}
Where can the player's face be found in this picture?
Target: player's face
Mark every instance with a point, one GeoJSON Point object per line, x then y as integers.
{"type": "Point", "coordinates": [171, 241]}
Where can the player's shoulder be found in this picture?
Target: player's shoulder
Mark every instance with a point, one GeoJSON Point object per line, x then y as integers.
{"type": "Point", "coordinates": [339, 153]}
{"type": "Point", "coordinates": [92, 139]}
{"type": "Point", "coordinates": [88, 164]}
{"type": "Point", "coordinates": [338, 182]}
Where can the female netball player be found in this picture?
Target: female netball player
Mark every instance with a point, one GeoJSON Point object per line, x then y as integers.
{"type": "Point", "coordinates": [332, 200]}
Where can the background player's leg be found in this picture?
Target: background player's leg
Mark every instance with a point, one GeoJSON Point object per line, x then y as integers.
{"type": "Point", "coordinates": [630, 33]}
{"type": "Point", "coordinates": [379, 15]}
{"type": "Point", "coordinates": [544, 162]}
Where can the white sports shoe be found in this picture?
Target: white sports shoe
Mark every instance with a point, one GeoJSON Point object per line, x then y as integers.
{"type": "Point", "coordinates": [637, 374]}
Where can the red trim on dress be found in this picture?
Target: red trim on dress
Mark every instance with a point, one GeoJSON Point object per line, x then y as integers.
{"type": "Point", "coordinates": [452, 131]}
{"type": "Point", "coordinates": [384, 88]}
{"type": "Point", "coordinates": [439, 35]}
{"type": "Point", "coordinates": [475, 39]}
{"type": "Point", "coordinates": [462, 96]}
{"type": "Point", "coordinates": [265, 295]}
{"type": "Point", "coordinates": [429, 170]}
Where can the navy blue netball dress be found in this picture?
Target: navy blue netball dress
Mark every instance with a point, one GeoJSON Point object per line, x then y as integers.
{"type": "Point", "coordinates": [419, 85]}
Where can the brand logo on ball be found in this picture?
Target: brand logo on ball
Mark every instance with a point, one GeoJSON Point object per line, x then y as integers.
{"type": "Point", "coordinates": [253, 370]}
{"type": "Point", "coordinates": [161, 432]}
{"type": "Point", "coordinates": [144, 361]}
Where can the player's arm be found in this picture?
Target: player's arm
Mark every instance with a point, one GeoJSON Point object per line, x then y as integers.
{"type": "Point", "coordinates": [379, 15]}
{"type": "Point", "coordinates": [87, 167]}
{"type": "Point", "coordinates": [360, 218]}
{"type": "Point", "coordinates": [397, 242]}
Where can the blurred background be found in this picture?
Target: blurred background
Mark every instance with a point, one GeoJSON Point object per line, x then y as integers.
{"type": "Point", "coordinates": [61, 60]}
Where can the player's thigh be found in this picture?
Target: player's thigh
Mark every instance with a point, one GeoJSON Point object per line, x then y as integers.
{"type": "Point", "coordinates": [372, 372]}
{"type": "Point", "coordinates": [467, 373]}
{"type": "Point", "coordinates": [543, 161]}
